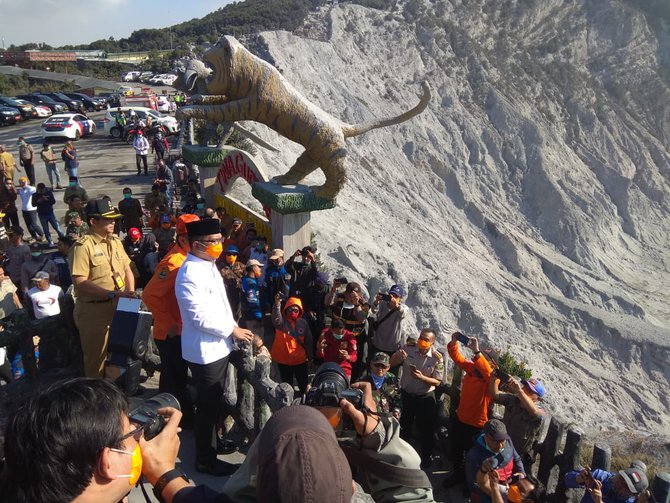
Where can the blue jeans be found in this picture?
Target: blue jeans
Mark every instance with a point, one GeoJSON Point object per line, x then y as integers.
{"type": "Point", "coordinates": [72, 170]}
{"type": "Point", "coordinates": [52, 169]}
{"type": "Point", "coordinates": [31, 223]}
{"type": "Point", "coordinates": [47, 219]}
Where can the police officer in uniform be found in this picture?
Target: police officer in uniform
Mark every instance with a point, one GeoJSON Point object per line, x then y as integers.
{"type": "Point", "coordinates": [422, 371]}
{"type": "Point", "coordinates": [101, 274]}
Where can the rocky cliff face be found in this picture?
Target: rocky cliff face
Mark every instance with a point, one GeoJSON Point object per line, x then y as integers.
{"type": "Point", "coordinates": [529, 204]}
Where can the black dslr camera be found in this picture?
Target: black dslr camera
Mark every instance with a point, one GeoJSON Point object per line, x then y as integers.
{"type": "Point", "coordinates": [146, 414]}
{"type": "Point", "coordinates": [329, 386]}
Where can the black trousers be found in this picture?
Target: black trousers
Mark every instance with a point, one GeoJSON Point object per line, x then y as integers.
{"type": "Point", "coordinates": [359, 366]}
{"type": "Point", "coordinates": [208, 380]}
{"type": "Point", "coordinates": [11, 219]}
{"type": "Point", "coordinates": [143, 159]}
{"type": "Point", "coordinates": [174, 374]}
{"type": "Point", "coordinates": [29, 168]}
{"type": "Point", "coordinates": [461, 437]}
{"type": "Point", "coordinates": [421, 409]}
{"type": "Point", "coordinates": [6, 372]}
{"type": "Point", "coordinates": [287, 372]}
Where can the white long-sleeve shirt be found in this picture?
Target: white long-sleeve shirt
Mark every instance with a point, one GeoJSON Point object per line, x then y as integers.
{"type": "Point", "coordinates": [207, 319]}
{"type": "Point", "coordinates": [26, 198]}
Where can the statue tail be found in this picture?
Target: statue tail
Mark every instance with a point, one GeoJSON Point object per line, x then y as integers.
{"type": "Point", "coordinates": [356, 129]}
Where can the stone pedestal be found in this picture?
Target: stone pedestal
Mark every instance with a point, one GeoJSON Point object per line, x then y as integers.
{"type": "Point", "coordinates": [291, 207]}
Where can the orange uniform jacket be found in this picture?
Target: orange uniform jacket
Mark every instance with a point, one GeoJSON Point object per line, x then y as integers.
{"type": "Point", "coordinates": [474, 404]}
{"type": "Point", "coordinates": [159, 295]}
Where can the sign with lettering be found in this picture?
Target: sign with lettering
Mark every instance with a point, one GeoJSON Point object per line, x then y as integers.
{"type": "Point", "coordinates": [239, 164]}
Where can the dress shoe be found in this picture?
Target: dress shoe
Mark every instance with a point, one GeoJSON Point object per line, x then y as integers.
{"type": "Point", "coordinates": [218, 468]}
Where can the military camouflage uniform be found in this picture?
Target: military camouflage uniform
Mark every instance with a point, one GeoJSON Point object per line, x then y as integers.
{"type": "Point", "coordinates": [387, 398]}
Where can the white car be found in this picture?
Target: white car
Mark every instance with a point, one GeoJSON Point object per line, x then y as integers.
{"type": "Point", "coordinates": [169, 123]}
{"type": "Point", "coordinates": [42, 111]}
{"type": "Point", "coordinates": [72, 126]}
{"type": "Point", "coordinates": [130, 76]}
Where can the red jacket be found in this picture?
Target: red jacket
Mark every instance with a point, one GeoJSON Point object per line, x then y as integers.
{"type": "Point", "coordinates": [331, 353]}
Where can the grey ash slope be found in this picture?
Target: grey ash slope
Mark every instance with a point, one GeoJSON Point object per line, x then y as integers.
{"type": "Point", "coordinates": [529, 204]}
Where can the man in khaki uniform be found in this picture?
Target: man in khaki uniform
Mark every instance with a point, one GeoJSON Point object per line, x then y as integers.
{"type": "Point", "coordinates": [100, 274]}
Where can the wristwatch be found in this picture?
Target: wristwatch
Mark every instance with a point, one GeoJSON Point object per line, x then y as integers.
{"type": "Point", "coordinates": [165, 479]}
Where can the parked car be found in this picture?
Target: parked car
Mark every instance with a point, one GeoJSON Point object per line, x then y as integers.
{"type": "Point", "coordinates": [74, 105]}
{"type": "Point", "coordinates": [170, 124]}
{"type": "Point", "coordinates": [27, 110]}
{"type": "Point", "coordinates": [90, 104]}
{"type": "Point", "coordinates": [9, 115]}
{"type": "Point", "coordinates": [40, 110]}
{"type": "Point", "coordinates": [38, 99]}
{"type": "Point", "coordinates": [112, 98]}
{"type": "Point", "coordinates": [72, 126]}
{"type": "Point", "coordinates": [130, 76]}
{"type": "Point", "coordinates": [125, 90]}
{"type": "Point", "coordinates": [145, 76]}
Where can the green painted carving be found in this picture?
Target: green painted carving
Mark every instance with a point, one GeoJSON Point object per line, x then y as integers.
{"type": "Point", "coordinates": [208, 157]}
{"type": "Point", "coordinates": [290, 199]}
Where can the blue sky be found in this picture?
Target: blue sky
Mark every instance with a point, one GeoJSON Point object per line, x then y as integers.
{"type": "Point", "coordinates": [60, 22]}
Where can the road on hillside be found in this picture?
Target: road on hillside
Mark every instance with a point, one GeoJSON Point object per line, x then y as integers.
{"type": "Point", "coordinates": [106, 165]}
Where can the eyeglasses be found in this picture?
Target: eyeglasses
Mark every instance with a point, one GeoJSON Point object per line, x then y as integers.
{"type": "Point", "coordinates": [213, 241]}
{"type": "Point", "coordinates": [135, 433]}
{"type": "Point", "coordinates": [293, 310]}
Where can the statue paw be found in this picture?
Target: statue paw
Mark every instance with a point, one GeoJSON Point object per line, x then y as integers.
{"type": "Point", "coordinates": [326, 192]}
{"type": "Point", "coordinates": [197, 99]}
{"type": "Point", "coordinates": [182, 114]}
{"type": "Point", "coordinates": [284, 180]}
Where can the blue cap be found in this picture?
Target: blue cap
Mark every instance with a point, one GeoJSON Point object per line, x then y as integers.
{"type": "Point", "coordinates": [396, 290]}
{"type": "Point", "coordinates": [535, 385]}
{"type": "Point", "coordinates": [322, 277]}
{"type": "Point", "coordinates": [232, 249]}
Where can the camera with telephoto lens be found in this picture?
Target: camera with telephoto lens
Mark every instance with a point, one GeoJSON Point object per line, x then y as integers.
{"type": "Point", "coordinates": [146, 414]}
{"type": "Point", "coordinates": [329, 386]}
{"type": "Point", "coordinates": [502, 375]}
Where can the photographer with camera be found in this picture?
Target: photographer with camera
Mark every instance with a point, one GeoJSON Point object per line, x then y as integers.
{"type": "Point", "coordinates": [300, 454]}
{"type": "Point", "coordinates": [624, 486]}
{"type": "Point", "coordinates": [523, 414]}
{"type": "Point", "coordinates": [492, 450]}
{"type": "Point", "coordinates": [472, 411]}
{"type": "Point", "coordinates": [303, 273]}
{"type": "Point", "coordinates": [75, 441]}
{"type": "Point", "coordinates": [388, 313]}
{"type": "Point", "coordinates": [352, 309]}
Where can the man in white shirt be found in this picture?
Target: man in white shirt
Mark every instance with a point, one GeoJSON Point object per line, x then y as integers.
{"type": "Point", "coordinates": [28, 210]}
{"type": "Point", "coordinates": [44, 296]}
{"type": "Point", "coordinates": [208, 333]}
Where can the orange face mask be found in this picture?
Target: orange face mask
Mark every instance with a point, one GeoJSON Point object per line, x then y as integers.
{"type": "Point", "coordinates": [513, 494]}
{"type": "Point", "coordinates": [136, 465]}
{"type": "Point", "coordinates": [214, 250]}
{"type": "Point", "coordinates": [423, 345]}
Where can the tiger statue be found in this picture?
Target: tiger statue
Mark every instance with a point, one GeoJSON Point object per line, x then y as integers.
{"type": "Point", "coordinates": [244, 87]}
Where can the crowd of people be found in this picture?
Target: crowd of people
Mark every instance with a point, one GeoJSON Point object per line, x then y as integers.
{"type": "Point", "coordinates": [213, 284]}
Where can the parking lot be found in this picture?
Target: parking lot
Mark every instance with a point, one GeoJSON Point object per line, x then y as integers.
{"type": "Point", "coordinates": [106, 165]}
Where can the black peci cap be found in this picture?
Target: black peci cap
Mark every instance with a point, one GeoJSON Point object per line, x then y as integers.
{"type": "Point", "coordinates": [203, 227]}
